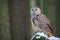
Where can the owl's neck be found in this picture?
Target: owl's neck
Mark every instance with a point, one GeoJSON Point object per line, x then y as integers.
{"type": "Point", "coordinates": [35, 16]}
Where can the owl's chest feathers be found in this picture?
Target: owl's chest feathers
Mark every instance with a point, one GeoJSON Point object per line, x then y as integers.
{"type": "Point", "coordinates": [38, 20]}
{"type": "Point", "coordinates": [35, 21]}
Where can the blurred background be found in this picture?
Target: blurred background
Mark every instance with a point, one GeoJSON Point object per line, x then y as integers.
{"type": "Point", "coordinates": [15, 21]}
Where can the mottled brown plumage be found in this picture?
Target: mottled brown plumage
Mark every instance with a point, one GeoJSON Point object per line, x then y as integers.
{"type": "Point", "coordinates": [40, 22]}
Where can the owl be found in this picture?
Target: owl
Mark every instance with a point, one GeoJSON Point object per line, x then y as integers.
{"type": "Point", "coordinates": [40, 22]}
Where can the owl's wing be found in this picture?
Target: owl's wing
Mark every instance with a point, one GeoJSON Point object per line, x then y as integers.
{"type": "Point", "coordinates": [42, 19]}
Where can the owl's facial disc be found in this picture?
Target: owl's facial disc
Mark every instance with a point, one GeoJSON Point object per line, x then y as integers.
{"type": "Point", "coordinates": [36, 10]}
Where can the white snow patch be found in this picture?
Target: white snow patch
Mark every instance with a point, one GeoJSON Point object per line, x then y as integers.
{"type": "Point", "coordinates": [42, 34]}
{"type": "Point", "coordinates": [54, 38]}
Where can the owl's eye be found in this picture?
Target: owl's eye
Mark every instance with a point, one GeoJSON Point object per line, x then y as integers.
{"type": "Point", "coordinates": [36, 9]}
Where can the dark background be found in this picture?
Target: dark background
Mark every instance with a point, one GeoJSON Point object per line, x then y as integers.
{"type": "Point", "coordinates": [15, 21]}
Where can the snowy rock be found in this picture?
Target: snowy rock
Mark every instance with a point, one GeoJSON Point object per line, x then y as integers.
{"type": "Point", "coordinates": [40, 34]}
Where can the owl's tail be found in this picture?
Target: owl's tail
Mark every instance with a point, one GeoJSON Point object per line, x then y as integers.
{"type": "Point", "coordinates": [49, 34]}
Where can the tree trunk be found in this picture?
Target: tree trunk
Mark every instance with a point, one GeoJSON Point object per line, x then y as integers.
{"type": "Point", "coordinates": [4, 21]}
{"type": "Point", "coordinates": [19, 19]}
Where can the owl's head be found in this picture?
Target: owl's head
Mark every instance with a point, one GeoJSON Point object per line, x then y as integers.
{"type": "Point", "coordinates": [35, 11]}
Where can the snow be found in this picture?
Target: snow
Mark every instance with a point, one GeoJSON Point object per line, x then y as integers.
{"type": "Point", "coordinates": [54, 38]}
{"type": "Point", "coordinates": [42, 34]}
